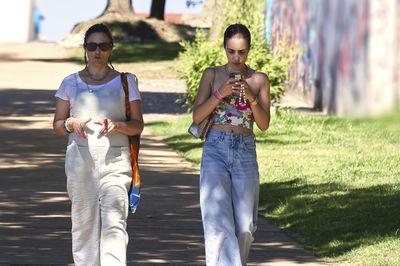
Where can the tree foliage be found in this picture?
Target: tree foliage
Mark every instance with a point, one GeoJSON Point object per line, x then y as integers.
{"type": "Point", "coordinates": [206, 51]}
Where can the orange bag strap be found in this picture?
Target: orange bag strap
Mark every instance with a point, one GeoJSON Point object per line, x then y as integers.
{"type": "Point", "coordinates": [134, 141]}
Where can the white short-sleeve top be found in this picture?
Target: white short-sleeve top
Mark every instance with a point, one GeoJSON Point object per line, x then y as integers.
{"type": "Point", "coordinates": [67, 89]}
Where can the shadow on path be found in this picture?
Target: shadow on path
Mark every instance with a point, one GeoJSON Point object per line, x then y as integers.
{"type": "Point", "coordinates": [42, 102]}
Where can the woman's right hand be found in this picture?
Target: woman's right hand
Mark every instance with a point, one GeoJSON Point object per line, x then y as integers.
{"type": "Point", "coordinates": [229, 87]}
{"type": "Point", "coordinates": [78, 125]}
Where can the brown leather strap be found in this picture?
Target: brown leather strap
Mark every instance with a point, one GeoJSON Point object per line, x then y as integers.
{"type": "Point", "coordinates": [134, 141]}
{"type": "Point", "coordinates": [126, 90]}
{"type": "Point", "coordinates": [136, 138]}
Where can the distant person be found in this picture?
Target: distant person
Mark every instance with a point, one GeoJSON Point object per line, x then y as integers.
{"type": "Point", "coordinates": [90, 110]}
{"type": "Point", "coordinates": [37, 20]}
{"type": "Point", "coordinates": [229, 179]}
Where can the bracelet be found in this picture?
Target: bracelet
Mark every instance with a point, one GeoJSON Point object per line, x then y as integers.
{"type": "Point", "coordinates": [255, 102]}
{"type": "Point", "coordinates": [66, 129]}
{"type": "Point", "coordinates": [66, 125]}
{"type": "Point", "coordinates": [217, 95]}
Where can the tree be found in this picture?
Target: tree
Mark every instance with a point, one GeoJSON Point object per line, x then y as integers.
{"type": "Point", "coordinates": [157, 9]}
{"type": "Point", "coordinates": [126, 26]}
{"type": "Point", "coordinates": [118, 9]}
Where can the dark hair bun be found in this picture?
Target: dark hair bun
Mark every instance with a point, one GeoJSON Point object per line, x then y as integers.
{"type": "Point", "coordinates": [234, 29]}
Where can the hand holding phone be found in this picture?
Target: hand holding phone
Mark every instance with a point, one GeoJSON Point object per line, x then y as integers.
{"type": "Point", "coordinates": [237, 75]}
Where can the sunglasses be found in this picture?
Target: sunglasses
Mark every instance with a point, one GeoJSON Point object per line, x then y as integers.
{"type": "Point", "coordinates": [104, 46]}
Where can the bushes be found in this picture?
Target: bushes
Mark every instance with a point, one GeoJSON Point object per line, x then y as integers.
{"type": "Point", "coordinates": [205, 52]}
{"type": "Point", "coordinates": [197, 56]}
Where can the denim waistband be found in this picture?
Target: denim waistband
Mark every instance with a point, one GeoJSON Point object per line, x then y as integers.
{"type": "Point", "coordinates": [215, 133]}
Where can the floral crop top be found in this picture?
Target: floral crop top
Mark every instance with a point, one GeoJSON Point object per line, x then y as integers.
{"type": "Point", "coordinates": [229, 112]}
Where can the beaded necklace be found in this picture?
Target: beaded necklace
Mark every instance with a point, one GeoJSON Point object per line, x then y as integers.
{"type": "Point", "coordinates": [97, 79]}
{"type": "Point", "coordinates": [242, 92]}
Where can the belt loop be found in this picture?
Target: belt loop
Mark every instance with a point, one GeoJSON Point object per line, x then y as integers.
{"type": "Point", "coordinates": [221, 136]}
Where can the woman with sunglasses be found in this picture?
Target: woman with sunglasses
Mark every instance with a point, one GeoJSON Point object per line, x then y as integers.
{"type": "Point", "coordinates": [236, 96]}
{"type": "Point", "coordinates": [90, 109]}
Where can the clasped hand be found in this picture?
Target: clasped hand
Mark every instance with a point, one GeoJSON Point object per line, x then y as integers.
{"type": "Point", "coordinates": [79, 126]}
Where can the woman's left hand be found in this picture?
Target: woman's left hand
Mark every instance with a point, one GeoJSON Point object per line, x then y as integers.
{"type": "Point", "coordinates": [108, 126]}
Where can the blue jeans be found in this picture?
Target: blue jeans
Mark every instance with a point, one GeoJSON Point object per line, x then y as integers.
{"type": "Point", "coordinates": [229, 188]}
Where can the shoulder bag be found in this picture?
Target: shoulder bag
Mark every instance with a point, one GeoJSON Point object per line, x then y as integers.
{"type": "Point", "coordinates": [134, 145]}
{"type": "Point", "coordinates": [201, 130]}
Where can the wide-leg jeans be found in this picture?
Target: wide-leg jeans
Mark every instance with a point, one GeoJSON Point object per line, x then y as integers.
{"type": "Point", "coordinates": [229, 190]}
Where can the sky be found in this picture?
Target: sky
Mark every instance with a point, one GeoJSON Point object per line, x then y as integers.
{"type": "Point", "coordinates": [60, 16]}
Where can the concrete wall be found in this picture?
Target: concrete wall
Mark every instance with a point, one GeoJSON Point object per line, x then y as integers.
{"type": "Point", "coordinates": [16, 21]}
{"type": "Point", "coordinates": [349, 63]}
{"type": "Point", "coordinates": [383, 68]}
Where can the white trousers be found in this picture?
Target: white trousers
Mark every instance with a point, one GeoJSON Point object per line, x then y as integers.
{"type": "Point", "coordinates": [98, 180]}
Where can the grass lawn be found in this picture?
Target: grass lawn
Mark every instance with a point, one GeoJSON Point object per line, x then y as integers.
{"type": "Point", "coordinates": [331, 183]}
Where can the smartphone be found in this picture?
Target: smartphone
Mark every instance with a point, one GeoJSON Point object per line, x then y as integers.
{"type": "Point", "coordinates": [237, 75]}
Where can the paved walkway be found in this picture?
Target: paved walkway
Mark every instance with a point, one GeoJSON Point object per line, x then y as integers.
{"type": "Point", "coordinates": [34, 207]}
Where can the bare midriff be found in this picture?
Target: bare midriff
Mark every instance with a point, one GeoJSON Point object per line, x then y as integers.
{"type": "Point", "coordinates": [232, 129]}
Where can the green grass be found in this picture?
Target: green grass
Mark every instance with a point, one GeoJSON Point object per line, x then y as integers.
{"type": "Point", "coordinates": [332, 183]}
{"type": "Point", "coordinates": [136, 52]}
{"type": "Point", "coordinates": [153, 60]}
{"type": "Point", "coordinates": [174, 132]}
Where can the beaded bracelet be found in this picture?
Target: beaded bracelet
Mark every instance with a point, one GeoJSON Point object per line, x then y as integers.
{"type": "Point", "coordinates": [254, 102]}
{"type": "Point", "coordinates": [217, 95]}
{"type": "Point", "coordinates": [66, 129]}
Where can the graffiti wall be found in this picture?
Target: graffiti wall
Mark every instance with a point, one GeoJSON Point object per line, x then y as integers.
{"type": "Point", "coordinates": [337, 71]}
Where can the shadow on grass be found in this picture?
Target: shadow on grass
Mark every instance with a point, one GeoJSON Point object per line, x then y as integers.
{"type": "Point", "coordinates": [121, 30]}
{"type": "Point", "coordinates": [139, 52]}
{"type": "Point", "coordinates": [292, 137]}
{"type": "Point", "coordinates": [278, 141]}
{"type": "Point", "coordinates": [162, 103]}
{"type": "Point", "coordinates": [180, 143]}
{"type": "Point", "coordinates": [183, 142]}
{"type": "Point", "coordinates": [330, 218]}
{"type": "Point", "coordinates": [148, 30]}
{"type": "Point", "coordinates": [142, 52]}
{"type": "Point", "coordinates": [140, 41]}
{"type": "Point", "coordinates": [156, 123]}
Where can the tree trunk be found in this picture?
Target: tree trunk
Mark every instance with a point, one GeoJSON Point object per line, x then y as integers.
{"type": "Point", "coordinates": [121, 8]}
{"type": "Point", "coordinates": [157, 9]}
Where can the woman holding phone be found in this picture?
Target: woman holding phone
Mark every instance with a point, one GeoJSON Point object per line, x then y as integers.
{"type": "Point", "coordinates": [236, 96]}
